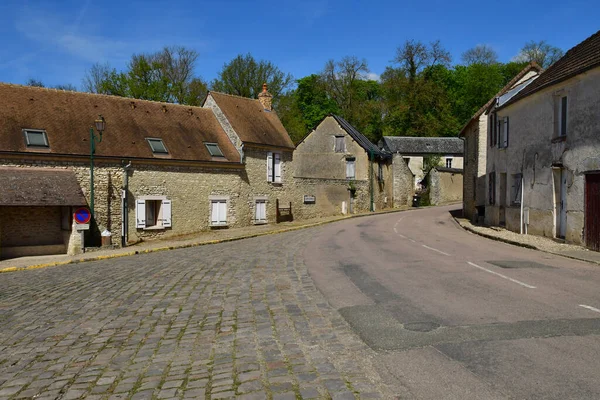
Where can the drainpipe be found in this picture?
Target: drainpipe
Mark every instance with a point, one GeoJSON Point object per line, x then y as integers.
{"type": "Point", "coordinates": [124, 206]}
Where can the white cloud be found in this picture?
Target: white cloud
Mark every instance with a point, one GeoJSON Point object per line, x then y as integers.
{"type": "Point", "coordinates": [372, 76]}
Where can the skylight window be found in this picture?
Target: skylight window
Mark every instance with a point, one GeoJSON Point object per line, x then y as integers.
{"type": "Point", "coordinates": [214, 150]}
{"type": "Point", "coordinates": [35, 138]}
{"type": "Point", "coordinates": [157, 146]}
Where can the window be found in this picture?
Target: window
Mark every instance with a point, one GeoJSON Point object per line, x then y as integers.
{"type": "Point", "coordinates": [350, 168]}
{"type": "Point", "coordinates": [214, 150]}
{"type": "Point", "coordinates": [562, 116]}
{"type": "Point", "coordinates": [157, 146]}
{"type": "Point", "coordinates": [503, 132]}
{"type": "Point", "coordinates": [36, 138]}
{"type": "Point", "coordinates": [218, 212]}
{"type": "Point", "coordinates": [260, 211]}
{"type": "Point", "coordinates": [274, 167]}
{"type": "Point", "coordinates": [153, 212]}
{"type": "Point", "coordinates": [449, 162]}
{"type": "Point", "coordinates": [380, 172]}
{"type": "Point", "coordinates": [340, 144]}
{"type": "Point", "coordinates": [492, 188]}
{"type": "Point", "coordinates": [515, 192]}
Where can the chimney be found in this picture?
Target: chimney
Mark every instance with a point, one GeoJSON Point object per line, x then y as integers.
{"type": "Point", "coordinates": [266, 98]}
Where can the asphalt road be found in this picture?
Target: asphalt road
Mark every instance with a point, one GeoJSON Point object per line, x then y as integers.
{"type": "Point", "coordinates": [455, 316]}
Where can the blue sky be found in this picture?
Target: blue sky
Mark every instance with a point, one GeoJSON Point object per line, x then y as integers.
{"type": "Point", "coordinates": [57, 41]}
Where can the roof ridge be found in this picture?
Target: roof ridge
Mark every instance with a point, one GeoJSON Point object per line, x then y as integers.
{"type": "Point", "coordinates": [232, 95]}
{"type": "Point", "coordinates": [111, 96]}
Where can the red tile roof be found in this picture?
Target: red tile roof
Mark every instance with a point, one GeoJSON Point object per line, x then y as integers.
{"type": "Point", "coordinates": [67, 116]}
{"type": "Point", "coordinates": [252, 122]}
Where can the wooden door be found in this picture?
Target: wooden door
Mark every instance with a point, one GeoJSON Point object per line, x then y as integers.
{"type": "Point", "coordinates": [592, 211]}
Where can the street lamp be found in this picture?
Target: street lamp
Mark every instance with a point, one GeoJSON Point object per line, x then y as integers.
{"type": "Point", "coordinates": [100, 125]}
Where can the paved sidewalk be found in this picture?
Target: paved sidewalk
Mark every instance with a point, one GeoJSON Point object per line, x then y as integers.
{"type": "Point", "coordinates": [541, 243]}
{"type": "Point", "coordinates": [198, 239]}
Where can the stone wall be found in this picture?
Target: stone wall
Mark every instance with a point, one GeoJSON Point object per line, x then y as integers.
{"type": "Point", "coordinates": [445, 186]}
{"type": "Point", "coordinates": [403, 186]}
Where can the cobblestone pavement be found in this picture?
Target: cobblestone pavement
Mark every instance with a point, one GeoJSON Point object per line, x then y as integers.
{"type": "Point", "coordinates": [231, 320]}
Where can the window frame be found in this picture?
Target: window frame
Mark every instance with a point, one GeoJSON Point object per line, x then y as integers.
{"type": "Point", "coordinates": [46, 144]}
{"type": "Point", "coordinates": [274, 167]}
{"type": "Point", "coordinates": [257, 201]}
{"type": "Point", "coordinates": [515, 194]}
{"type": "Point", "coordinates": [449, 162]}
{"type": "Point", "coordinates": [163, 213]}
{"type": "Point", "coordinates": [563, 116]}
{"type": "Point", "coordinates": [343, 144]}
{"type": "Point", "coordinates": [208, 147]}
{"type": "Point", "coordinates": [351, 161]}
{"type": "Point", "coordinates": [219, 200]}
{"type": "Point", "coordinates": [150, 140]}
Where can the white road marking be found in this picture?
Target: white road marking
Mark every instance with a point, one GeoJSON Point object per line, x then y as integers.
{"type": "Point", "coordinates": [396, 228]}
{"type": "Point", "coordinates": [414, 241]}
{"type": "Point", "coordinates": [439, 251]}
{"type": "Point", "coordinates": [500, 275]}
{"type": "Point", "coordinates": [590, 308]}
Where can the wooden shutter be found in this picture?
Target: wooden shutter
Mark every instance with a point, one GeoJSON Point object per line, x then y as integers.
{"type": "Point", "coordinates": [261, 211]}
{"type": "Point", "coordinates": [166, 213]}
{"type": "Point", "coordinates": [350, 170]}
{"type": "Point", "coordinates": [277, 163]}
{"type": "Point", "coordinates": [214, 213]}
{"type": "Point", "coordinates": [505, 137]}
{"type": "Point", "coordinates": [140, 214]}
{"type": "Point", "coordinates": [222, 212]}
{"type": "Point", "coordinates": [269, 166]}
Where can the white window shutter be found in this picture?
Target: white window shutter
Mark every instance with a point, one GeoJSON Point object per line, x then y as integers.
{"type": "Point", "coordinates": [269, 166]}
{"type": "Point", "coordinates": [261, 210]}
{"type": "Point", "coordinates": [277, 167]}
{"type": "Point", "coordinates": [350, 171]}
{"type": "Point", "coordinates": [214, 213]}
{"type": "Point", "coordinates": [166, 213]}
{"type": "Point", "coordinates": [140, 213]}
{"type": "Point", "coordinates": [222, 212]}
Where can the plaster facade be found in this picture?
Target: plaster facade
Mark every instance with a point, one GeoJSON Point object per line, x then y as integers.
{"type": "Point", "coordinates": [536, 152]}
{"type": "Point", "coordinates": [445, 186]}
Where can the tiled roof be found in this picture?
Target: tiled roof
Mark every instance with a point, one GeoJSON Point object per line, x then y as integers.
{"type": "Point", "coordinates": [360, 138]}
{"type": "Point", "coordinates": [581, 58]}
{"type": "Point", "coordinates": [39, 187]}
{"type": "Point", "coordinates": [67, 116]}
{"type": "Point", "coordinates": [532, 66]}
{"type": "Point", "coordinates": [252, 123]}
{"type": "Point", "coordinates": [407, 145]}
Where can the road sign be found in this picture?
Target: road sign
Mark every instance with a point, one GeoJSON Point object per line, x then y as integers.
{"type": "Point", "coordinates": [82, 215]}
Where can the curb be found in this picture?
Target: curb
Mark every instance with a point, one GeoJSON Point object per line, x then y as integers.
{"type": "Point", "coordinates": [188, 245]}
{"type": "Point", "coordinates": [496, 238]}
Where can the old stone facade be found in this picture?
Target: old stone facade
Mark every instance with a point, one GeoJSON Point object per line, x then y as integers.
{"type": "Point", "coordinates": [475, 134]}
{"type": "Point", "coordinates": [335, 167]}
{"type": "Point", "coordinates": [551, 166]}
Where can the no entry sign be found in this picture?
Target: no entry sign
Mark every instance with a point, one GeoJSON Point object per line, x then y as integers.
{"type": "Point", "coordinates": [82, 215]}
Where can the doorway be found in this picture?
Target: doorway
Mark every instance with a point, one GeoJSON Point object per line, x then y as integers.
{"type": "Point", "coordinates": [502, 200]}
{"type": "Point", "coordinates": [592, 211]}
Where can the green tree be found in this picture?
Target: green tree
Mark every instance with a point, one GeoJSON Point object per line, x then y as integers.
{"type": "Point", "coordinates": [165, 76]}
{"type": "Point", "coordinates": [244, 76]}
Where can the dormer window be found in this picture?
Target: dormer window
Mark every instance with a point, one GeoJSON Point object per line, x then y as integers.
{"type": "Point", "coordinates": [214, 149]}
{"type": "Point", "coordinates": [157, 146]}
{"type": "Point", "coordinates": [36, 138]}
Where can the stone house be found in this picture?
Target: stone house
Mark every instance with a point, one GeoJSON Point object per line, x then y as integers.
{"type": "Point", "coordinates": [265, 149]}
{"type": "Point", "coordinates": [160, 170]}
{"type": "Point", "coordinates": [475, 134]}
{"type": "Point", "coordinates": [542, 163]}
{"type": "Point", "coordinates": [341, 171]}
{"type": "Point", "coordinates": [411, 152]}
